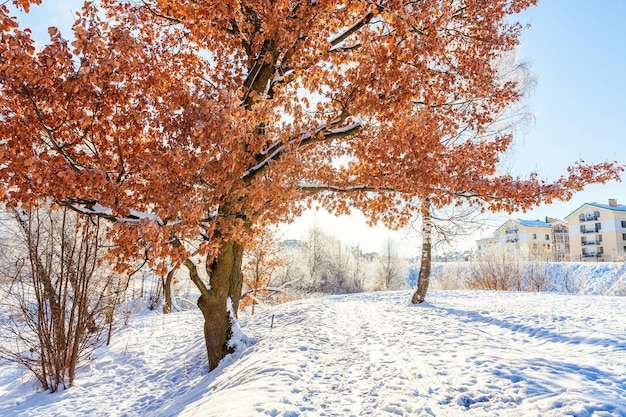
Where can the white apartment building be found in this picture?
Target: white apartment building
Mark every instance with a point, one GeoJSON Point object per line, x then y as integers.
{"type": "Point", "coordinates": [598, 232]}
{"type": "Point", "coordinates": [535, 239]}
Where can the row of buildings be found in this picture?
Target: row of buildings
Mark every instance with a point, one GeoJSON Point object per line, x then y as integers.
{"type": "Point", "coordinates": [593, 232]}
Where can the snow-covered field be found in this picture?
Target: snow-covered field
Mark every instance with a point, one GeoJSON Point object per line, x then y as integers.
{"type": "Point", "coordinates": [464, 353]}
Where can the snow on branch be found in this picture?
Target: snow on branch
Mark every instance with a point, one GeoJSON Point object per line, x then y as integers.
{"type": "Point", "coordinates": [322, 133]}
{"type": "Point", "coordinates": [316, 188]}
{"type": "Point", "coordinates": [93, 208]}
{"type": "Point", "coordinates": [342, 36]}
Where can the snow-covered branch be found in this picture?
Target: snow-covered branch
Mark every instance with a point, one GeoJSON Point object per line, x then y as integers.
{"type": "Point", "coordinates": [320, 134]}
{"type": "Point", "coordinates": [317, 188]}
{"type": "Point", "coordinates": [342, 36]}
{"type": "Point", "coordinates": [93, 208]}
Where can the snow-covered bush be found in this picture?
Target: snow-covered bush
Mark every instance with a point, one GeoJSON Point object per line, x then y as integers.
{"type": "Point", "coordinates": [605, 278]}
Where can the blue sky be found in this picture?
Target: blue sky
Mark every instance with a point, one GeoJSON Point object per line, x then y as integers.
{"type": "Point", "coordinates": [577, 54]}
{"type": "Point", "coordinates": [576, 50]}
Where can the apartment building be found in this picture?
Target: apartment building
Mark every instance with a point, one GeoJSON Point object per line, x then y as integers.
{"type": "Point", "coordinates": [487, 243]}
{"type": "Point", "coordinates": [560, 239]}
{"type": "Point", "coordinates": [598, 232]}
{"type": "Point", "coordinates": [535, 239]}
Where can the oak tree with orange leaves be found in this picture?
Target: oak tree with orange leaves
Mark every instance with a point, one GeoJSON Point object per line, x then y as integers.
{"type": "Point", "coordinates": [188, 122]}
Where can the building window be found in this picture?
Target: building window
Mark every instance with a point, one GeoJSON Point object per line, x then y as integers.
{"type": "Point", "coordinates": [600, 250]}
{"type": "Point", "coordinates": [534, 236]}
{"type": "Point", "coordinates": [547, 237]}
{"type": "Point", "coordinates": [598, 226]}
{"type": "Point", "coordinates": [582, 228]}
{"type": "Point", "coordinates": [596, 214]}
{"type": "Point", "coordinates": [623, 223]}
{"type": "Point", "coordinates": [623, 236]}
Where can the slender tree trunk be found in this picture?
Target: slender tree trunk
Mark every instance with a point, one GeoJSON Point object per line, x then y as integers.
{"type": "Point", "coordinates": [419, 294]}
{"type": "Point", "coordinates": [167, 291]}
{"type": "Point", "coordinates": [226, 280]}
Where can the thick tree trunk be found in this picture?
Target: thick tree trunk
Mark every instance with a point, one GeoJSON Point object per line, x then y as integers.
{"type": "Point", "coordinates": [419, 294]}
{"type": "Point", "coordinates": [226, 280]}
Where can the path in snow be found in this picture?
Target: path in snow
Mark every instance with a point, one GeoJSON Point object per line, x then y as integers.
{"type": "Point", "coordinates": [371, 354]}
{"type": "Point", "coordinates": [465, 353]}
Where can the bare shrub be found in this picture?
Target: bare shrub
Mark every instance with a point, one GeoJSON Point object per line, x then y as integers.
{"type": "Point", "coordinates": [317, 260]}
{"type": "Point", "coordinates": [56, 301]}
{"type": "Point", "coordinates": [293, 270]}
{"type": "Point", "coordinates": [498, 269]}
{"type": "Point", "coordinates": [568, 281]}
{"type": "Point", "coordinates": [448, 276]}
{"type": "Point", "coordinates": [538, 277]}
{"type": "Point", "coordinates": [538, 271]}
{"type": "Point", "coordinates": [155, 293]}
{"type": "Point", "coordinates": [330, 265]}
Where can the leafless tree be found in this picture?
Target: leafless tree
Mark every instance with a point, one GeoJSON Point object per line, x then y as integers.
{"type": "Point", "coordinates": [357, 268]}
{"type": "Point", "coordinates": [388, 265]}
{"type": "Point", "coordinates": [322, 263]}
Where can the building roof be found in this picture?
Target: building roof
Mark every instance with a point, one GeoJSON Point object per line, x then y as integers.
{"type": "Point", "coordinates": [525, 223]}
{"type": "Point", "coordinates": [534, 223]}
{"type": "Point", "coordinates": [618, 207]}
{"type": "Point", "coordinates": [488, 239]}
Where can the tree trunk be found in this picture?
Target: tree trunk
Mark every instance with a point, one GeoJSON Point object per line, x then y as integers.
{"type": "Point", "coordinates": [167, 291]}
{"type": "Point", "coordinates": [419, 294]}
{"type": "Point", "coordinates": [226, 280]}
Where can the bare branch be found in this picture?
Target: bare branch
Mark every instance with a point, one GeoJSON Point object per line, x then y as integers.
{"type": "Point", "coordinates": [169, 18]}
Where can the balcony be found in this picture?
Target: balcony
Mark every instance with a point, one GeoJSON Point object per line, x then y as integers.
{"type": "Point", "coordinates": [511, 231]}
{"type": "Point", "coordinates": [591, 242]}
{"type": "Point", "coordinates": [562, 238]}
{"type": "Point", "coordinates": [588, 217]}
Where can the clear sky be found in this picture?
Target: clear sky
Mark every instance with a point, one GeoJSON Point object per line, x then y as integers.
{"type": "Point", "coordinates": [577, 54]}
{"type": "Point", "coordinates": [576, 50]}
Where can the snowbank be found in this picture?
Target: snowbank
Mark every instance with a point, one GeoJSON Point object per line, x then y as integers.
{"type": "Point", "coordinates": [604, 278]}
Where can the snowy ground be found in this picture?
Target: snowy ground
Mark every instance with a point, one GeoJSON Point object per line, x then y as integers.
{"type": "Point", "coordinates": [465, 353]}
